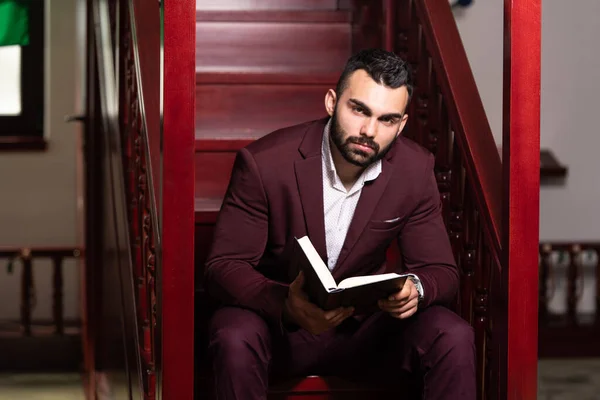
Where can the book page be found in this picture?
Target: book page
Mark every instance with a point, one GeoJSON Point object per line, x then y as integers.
{"type": "Point", "coordinates": [364, 280]}
{"type": "Point", "coordinates": [318, 265]}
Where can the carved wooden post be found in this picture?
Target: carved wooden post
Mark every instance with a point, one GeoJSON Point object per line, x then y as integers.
{"type": "Point", "coordinates": [521, 164]}
{"type": "Point", "coordinates": [175, 277]}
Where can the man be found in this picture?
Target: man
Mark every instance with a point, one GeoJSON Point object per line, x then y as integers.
{"type": "Point", "coordinates": [353, 185]}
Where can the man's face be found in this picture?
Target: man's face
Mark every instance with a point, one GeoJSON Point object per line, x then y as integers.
{"type": "Point", "coordinates": [366, 119]}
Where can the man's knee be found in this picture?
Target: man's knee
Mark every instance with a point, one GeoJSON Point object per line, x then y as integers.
{"type": "Point", "coordinates": [239, 337]}
{"type": "Point", "coordinates": [456, 337]}
{"type": "Point", "coordinates": [460, 335]}
{"type": "Point", "coordinates": [439, 328]}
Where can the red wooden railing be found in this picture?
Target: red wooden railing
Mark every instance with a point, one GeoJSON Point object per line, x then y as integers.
{"type": "Point", "coordinates": [139, 281]}
{"type": "Point", "coordinates": [447, 117]}
{"type": "Point", "coordinates": [490, 210]}
{"type": "Point", "coordinates": [111, 337]}
{"type": "Point", "coordinates": [140, 133]}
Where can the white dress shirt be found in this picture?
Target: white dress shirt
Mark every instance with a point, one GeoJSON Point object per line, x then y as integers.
{"type": "Point", "coordinates": [339, 203]}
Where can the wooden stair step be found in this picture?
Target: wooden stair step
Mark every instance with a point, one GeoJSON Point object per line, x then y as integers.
{"type": "Point", "coordinates": [207, 75]}
{"type": "Point", "coordinates": [226, 144]}
{"type": "Point", "coordinates": [289, 16]}
{"type": "Point", "coordinates": [283, 41]}
{"type": "Point", "coordinates": [212, 173]}
{"type": "Point", "coordinates": [253, 110]}
{"type": "Point", "coordinates": [206, 209]}
{"type": "Point", "coordinates": [266, 4]}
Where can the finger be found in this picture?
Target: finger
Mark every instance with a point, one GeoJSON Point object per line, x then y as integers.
{"type": "Point", "coordinates": [414, 294]}
{"type": "Point", "coordinates": [341, 317]}
{"type": "Point", "coordinates": [407, 313]}
{"type": "Point", "coordinates": [298, 283]}
{"type": "Point", "coordinates": [392, 304]}
{"type": "Point", "coordinates": [398, 307]}
{"type": "Point", "coordinates": [330, 315]}
{"type": "Point", "coordinates": [399, 295]}
{"type": "Point", "coordinates": [387, 308]}
{"type": "Point", "coordinates": [408, 306]}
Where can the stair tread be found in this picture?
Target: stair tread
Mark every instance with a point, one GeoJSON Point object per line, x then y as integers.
{"type": "Point", "coordinates": [271, 47]}
{"type": "Point", "coordinates": [263, 75]}
{"type": "Point", "coordinates": [275, 16]}
{"type": "Point", "coordinates": [231, 134]}
{"type": "Point", "coordinates": [221, 145]}
{"type": "Point", "coordinates": [244, 134]}
{"type": "Point", "coordinates": [203, 204]}
{"type": "Point", "coordinates": [266, 5]}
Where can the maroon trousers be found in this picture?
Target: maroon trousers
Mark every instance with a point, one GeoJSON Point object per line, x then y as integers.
{"type": "Point", "coordinates": [433, 351]}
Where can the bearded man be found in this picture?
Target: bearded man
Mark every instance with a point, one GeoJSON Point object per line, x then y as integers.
{"type": "Point", "coordinates": [353, 184]}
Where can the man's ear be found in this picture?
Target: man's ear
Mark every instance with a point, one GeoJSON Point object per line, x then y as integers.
{"type": "Point", "coordinates": [402, 124]}
{"type": "Point", "coordinates": [330, 101]}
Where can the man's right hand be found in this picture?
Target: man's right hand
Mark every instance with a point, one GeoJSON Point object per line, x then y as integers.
{"type": "Point", "coordinates": [299, 310]}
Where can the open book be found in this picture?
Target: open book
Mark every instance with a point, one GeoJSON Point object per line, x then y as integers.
{"type": "Point", "coordinates": [361, 292]}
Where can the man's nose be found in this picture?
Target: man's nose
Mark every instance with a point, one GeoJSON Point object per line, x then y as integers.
{"type": "Point", "coordinates": [369, 127]}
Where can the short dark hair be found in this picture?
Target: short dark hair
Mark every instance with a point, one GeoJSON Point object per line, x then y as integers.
{"type": "Point", "coordinates": [383, 66]}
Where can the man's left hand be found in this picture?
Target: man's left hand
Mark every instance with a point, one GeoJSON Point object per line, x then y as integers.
{"type": "Point", "coordinates": [402, 304]}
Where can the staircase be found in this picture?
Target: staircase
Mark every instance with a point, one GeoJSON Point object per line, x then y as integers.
{"type": "Point", "coordinates": [266, 64]}
{"type": "Point", "coordinates": [260, 66]}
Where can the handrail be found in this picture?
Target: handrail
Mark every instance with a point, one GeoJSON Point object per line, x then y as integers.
{"type": "Point", "coordinates": [106, 16]}
{"type": "Point", "coordinates": [127, 70]}
{"type": "Point", "coordinates": [146, 17]}
{"type": "Point", "coordinates": [448, 119]}
{"type": "Point", "coordinates": [472, 129]}
{"type": "Point", "coordinates": [150, 132]}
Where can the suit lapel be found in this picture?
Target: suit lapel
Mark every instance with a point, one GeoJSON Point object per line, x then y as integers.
{"type": "Point", "coordinates": [369, 198]}
{"type": "Point", "coordinates": [309, 176]}
{"type": "Point", "coordinates": [310, 185]}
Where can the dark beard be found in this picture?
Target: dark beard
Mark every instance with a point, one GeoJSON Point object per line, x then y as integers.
{"type": "Point", "coordinates": [354, 156]}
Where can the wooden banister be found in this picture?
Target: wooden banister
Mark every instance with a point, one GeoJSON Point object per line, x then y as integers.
{"type": "Point", "coordinates": [447, 117]}
{"type": "Point", "coordinates": [140, 134]}
{"type": "Point", "coordinates": [466, 112]}
{"type": "Point", "coordinates": [146, 163]}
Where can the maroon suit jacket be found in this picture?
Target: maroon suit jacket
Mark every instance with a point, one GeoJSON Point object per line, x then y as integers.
{"type": "Point", "coordinates": [276, 193]}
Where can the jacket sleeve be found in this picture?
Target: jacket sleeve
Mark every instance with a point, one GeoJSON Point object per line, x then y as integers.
{"type": "Point", "coordinates": [425, 246]}
{"type": "Point", "coordinates": [240, 238]}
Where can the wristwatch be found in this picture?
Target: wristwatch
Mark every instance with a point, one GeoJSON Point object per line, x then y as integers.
{"type": "Point", "coordinates": [415, 279]}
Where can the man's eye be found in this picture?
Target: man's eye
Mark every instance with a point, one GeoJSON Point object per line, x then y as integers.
{"type": "Point", "coordinates": [358, 110]}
